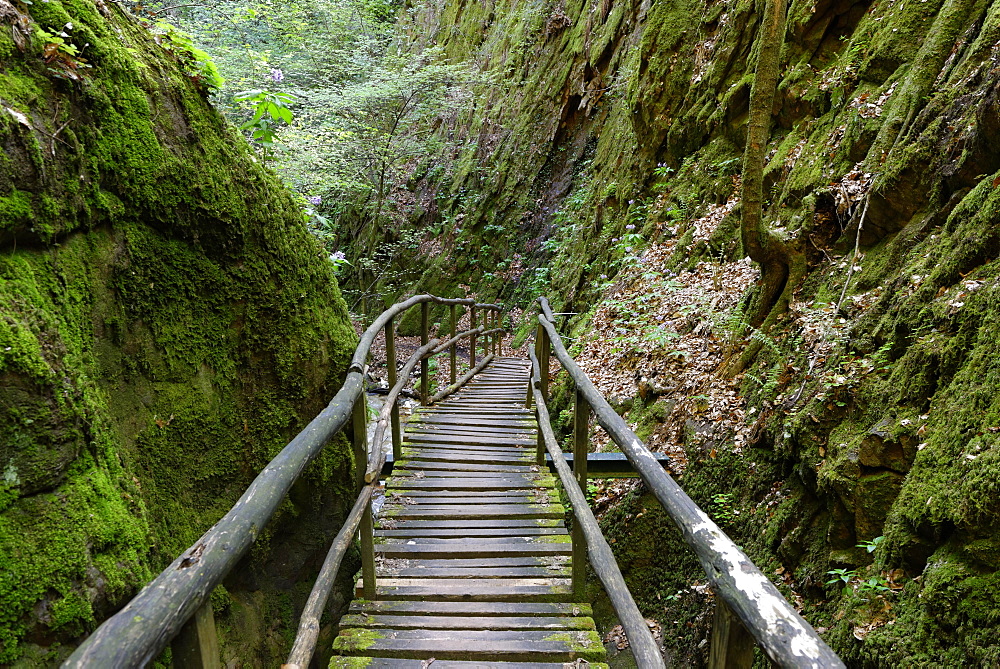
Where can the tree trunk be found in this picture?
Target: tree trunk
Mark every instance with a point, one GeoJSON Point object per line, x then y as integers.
{"type": "Point", "coordinates": [779, 261]}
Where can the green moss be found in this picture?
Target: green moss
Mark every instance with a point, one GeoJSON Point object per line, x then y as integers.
{"type": "Point", "coordinates": [584, 644]}
{"type": "Point", "coordinates": [356, 639]}
{"type": "Point", "coordinates": [166, 325]}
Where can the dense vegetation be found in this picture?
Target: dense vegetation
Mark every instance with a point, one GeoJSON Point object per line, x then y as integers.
{"type": "Point", "coordinates": [588, 150]}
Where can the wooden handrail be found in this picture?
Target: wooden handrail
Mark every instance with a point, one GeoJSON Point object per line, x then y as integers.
{"type": "Point", "coordinates": [785, 636]}
{"type": "Point", "coordinates": [142, 629]}
{"type": "Point", "coordinates": [599, 553]}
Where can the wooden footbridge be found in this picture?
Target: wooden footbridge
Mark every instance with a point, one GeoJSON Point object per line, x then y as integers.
{"type": "Point", "coordinates": [470, 563]}
{"type": "Point", "coordinates": [473, 555]}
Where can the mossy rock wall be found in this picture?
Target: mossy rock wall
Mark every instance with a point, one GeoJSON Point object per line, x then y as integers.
{"type": "Point", "coordinates": [166, 325]}
{"type": "Point", "coordinates": [633, 114]}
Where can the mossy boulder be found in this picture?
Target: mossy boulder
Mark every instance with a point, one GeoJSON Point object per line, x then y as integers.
{"type": "Point", "coordinates": [166, 325]}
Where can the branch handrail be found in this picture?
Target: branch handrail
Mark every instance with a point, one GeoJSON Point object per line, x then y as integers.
{"type": "Point", "coordinates": [784, 635]}
{"type": "Point", "coordinates": [599, 554]}
{"type": "Point", "coordinates": [144, 626]}
{"type": "Point", "coordinates": [376, 458]}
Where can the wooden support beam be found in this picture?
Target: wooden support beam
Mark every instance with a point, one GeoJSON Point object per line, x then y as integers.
{"type": "Point", "coordinates": [542, 348]}
{"type": "Point", "coordinates": [390, 354]}
{"type": "Point", "coordinates": [425, 380]}
{"type": "Point", "coordinates": [732, 645]}
{"type": "Point", "coordinates": [454, 347]}
{"type": "Point", "coordinates": [197, 645]}
{"type": "Point", "coordinates": [367, 532]}
{"type": "Point", "coordinates": [581, 444]}
{"type": "Point", "coordinates": [472, 344]}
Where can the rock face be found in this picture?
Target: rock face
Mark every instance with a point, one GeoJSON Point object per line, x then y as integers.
{"type": "Point", "coordinates": [632, 113]}
{"type": "Point", "coordinates": [166, 324]}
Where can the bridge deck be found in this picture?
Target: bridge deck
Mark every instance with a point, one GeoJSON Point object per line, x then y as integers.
{"type": "Point", "coordinates": [473, 555]}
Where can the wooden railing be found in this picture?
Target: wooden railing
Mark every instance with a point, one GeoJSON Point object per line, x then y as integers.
{"type": "Point", "coordinates": [175, 606]}
{"type": "Point", "coordinates": [749, 609]}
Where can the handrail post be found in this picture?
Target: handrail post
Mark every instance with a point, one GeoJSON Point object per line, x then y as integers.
{"type": "Point", "coordinates": [581, 445]}
{"type": "Point", "coordinates": [496, 335]}
{"type": "Point", "coordinates": [425, 382]}
{"type": "Point", "coordinates": [390, 355]}
{"type": "Point", "coordinates": [472, 340]}
{"type": "Point", "coordinates": [732, 644]}
{"type": "Point", "coordinates": [542, 353]}
{"type": "Point", "coordinates": [366, 530]}
{"type": "Point", "coordinates": [454, 347]}
{"type": "Point", "coordinates": [196, 646]}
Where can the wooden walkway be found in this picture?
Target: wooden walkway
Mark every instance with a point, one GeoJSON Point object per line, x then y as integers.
{"type": "Point", "coordinates": [473, 555]}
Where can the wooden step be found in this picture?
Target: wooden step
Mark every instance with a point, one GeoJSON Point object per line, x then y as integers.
{"type": "Point", "coordinates": [473, 645]}
{"type": "Point", "coordinates": [552, 589]}
{"type": "Point", "coordinates": [472, 608]}
{"type": "Point", "coordinates": [340, 662]}
{"type": "Point", "coordinates": [468, 622]}
{"type": "Point", "coordinates": [469, 550]}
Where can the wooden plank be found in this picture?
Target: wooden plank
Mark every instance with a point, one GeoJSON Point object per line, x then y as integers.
{"type": "Point", "coordinates": [402, 607]}
{"type": "Point", "coordinates": [475, 532]}
{"type": "Point", "coordinates": [470, 550]}
{"type": "Point", "coordinates": [485, 438]}
{"type": "Point", "coordinates": [474, 645]}
{"type": "Point", "coordinates": [473, 572]}
{"type": "Point", "coordinates": [467, 541]}
{"type": "Point", "coordinates": [470, 523]}
{"type": "Point", "coordinates": [340, 662]}
{"type": "Point", "coordinates": [447, 512]}
{"type": "Point", "coordinates": [552, 495]}
{"type": "Point", "coordinates": [527, 498]}
{"type": "Point", "coordinates": [407, 465]}
{"type": "Point", "coordinates": [468, 622]}
{"type": "Point", "coordinates": [458, 589]}
{"type": "Point", "coordinates": [485, 483]}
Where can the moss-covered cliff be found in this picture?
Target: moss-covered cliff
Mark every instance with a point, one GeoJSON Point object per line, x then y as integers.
{"type": "Point", "coordinates": [166, 324]}
{"type": "Point", "coordinates": [871, 416]}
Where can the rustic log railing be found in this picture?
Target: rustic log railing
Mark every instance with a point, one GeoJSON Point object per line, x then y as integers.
{"type": "Point", "coordinates": [749, 609]}
{"type": "Point", "coordinates": [588, 541]}
{"type": "Point", "coordinates": [175, 605]}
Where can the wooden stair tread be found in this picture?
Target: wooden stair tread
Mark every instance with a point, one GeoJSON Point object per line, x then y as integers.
{"type": "Point", "coordinates": [481, 550]}
{"type": "Point", "coordinates": [340, 662]}
{"type": "Point", "coordinates": [403, 607]}
{"type": "Point", "coordinates": [468, 622]}
{"type": "Point", "coordinates": [520, 645]}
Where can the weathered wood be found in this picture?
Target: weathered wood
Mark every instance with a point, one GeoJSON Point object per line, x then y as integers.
{"type": "Point", "coordinates": [458, 384]}
{"type": "Point", "coordinates": [339, 662]}
{"type": "Point", "coordinates": [785, 636]}
{"type": "Point", "coordinates": [461, 589]}
{"type": "Point", "coordinates": [732, 645]}
{"type": "Point", "coordinates": [390, 355]}
{"type": "Point", "coordinates": [471, 550]}
{"type": "Point", "coordinates": [472, 344]}
{"type": "Point", "coordinates": [366, 534]}
{"type": "Point", "coordinates": [476, 572]}
{"type": "Point", "coordinates": [197, 645]}
{"type": "Point", "coordinates": [425, 377]}
{"type": "Point", "coordinates": [453, 353]}
{"type": "Point", "coordinates": [375, 461]}
{"type": "Point", "coordinates": [581, 445]}
{"type": "Point", "coordinates": [473, 608]}
{"type": "Point", "coordinates": [308, 632]}
{"type": "Point", "coordinates": [473, 645]}
{"type": "Point", "coordinates": [468, 622]}
{"type": "Point", "coordinates": [643, 645]}
{"type": "Point", "coordinates": [542, 348]}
